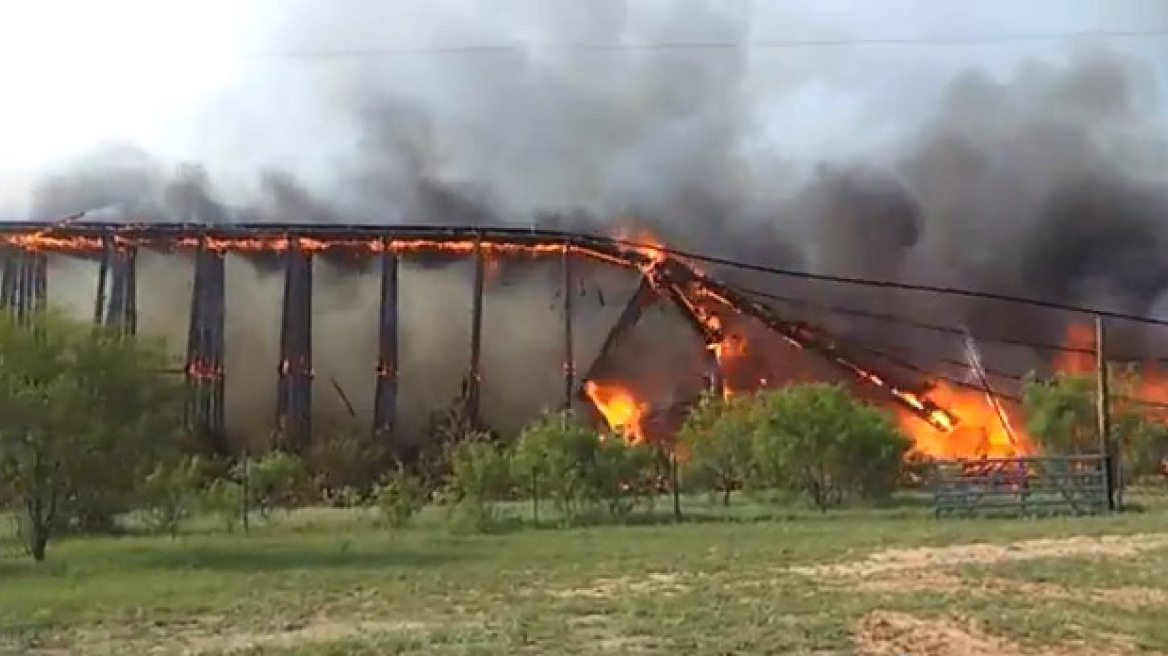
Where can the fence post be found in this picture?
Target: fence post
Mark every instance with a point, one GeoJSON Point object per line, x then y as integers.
{"type": "Point", "coordinates": [1103, 414]}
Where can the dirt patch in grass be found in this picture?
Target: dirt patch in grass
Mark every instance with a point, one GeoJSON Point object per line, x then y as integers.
{"type": "Point", "coordinates": [314, 632]}
{"type": "Point", "coordinates": [610, 588]}
{"type": "Point", "coordinates": [204, 638]}
{"type": "Point", "coordinates": [887, 633]}
{"type": "Point", "coordinates": [900, 560]}
{"type": "Point", "coordinates": [1130, 598]}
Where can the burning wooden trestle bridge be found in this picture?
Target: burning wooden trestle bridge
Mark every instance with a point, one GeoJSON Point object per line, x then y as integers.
{"type": "Point", "coordinates": [25, 246]}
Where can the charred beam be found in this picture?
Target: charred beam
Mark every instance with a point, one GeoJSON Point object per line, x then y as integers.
{"type": "Point", "coordinates": [708, 329]}
{"type": "Point", "coordinates": [475, 376]}
{"type": "Point", "coordinates": [645, 296]}
{"type": "Point", "coordinates": [804, 337]}
{"type": "Point", "coordinates": [294, 391]}
{"type": "Point", "coordinates": [205, 375]}
{"type": "Point", "coordinates": [385, 402]}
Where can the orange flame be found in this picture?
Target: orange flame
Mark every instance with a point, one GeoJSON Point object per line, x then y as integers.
{"type": "Point", "coordinates": [979, 433]}
{"type": "Point", "coordinates": [621, 410]}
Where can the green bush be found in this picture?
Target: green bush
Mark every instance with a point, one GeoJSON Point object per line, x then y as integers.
{"type": "Point", "coordinates": [170, 494]}
{"type": "Point", "coordinates": [276, 480]}
{"type": "Point", "coordinates": [1061, 417]}
{"type": "Point", "coordinates": [714, 445]}
{"type": "Point", "coordinates": [223, 498]}
{"type": "Point", "coordinates": [479, 476]}
{"type": "Point", "coordinates": [579, 469]}
{"type": "Point", "coordinates": [818, 441]}
{"type": "Point", "coordinates": [400, 496]}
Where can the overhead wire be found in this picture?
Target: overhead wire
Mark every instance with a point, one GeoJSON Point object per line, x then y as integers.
{"type": "Point", "coordinates": [890, 284]}
{"type": "Point", "coordinates": [476, 49]}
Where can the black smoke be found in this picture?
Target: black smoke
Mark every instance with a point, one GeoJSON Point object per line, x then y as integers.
{"type": "Point", "coordinates": [1046, 182]}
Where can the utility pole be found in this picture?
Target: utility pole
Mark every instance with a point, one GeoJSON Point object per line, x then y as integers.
{"type": "Point", "coordinates": [1103, 414]}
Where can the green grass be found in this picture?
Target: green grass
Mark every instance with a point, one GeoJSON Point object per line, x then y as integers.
{"type": "Point", "coordinates": [332, 582]}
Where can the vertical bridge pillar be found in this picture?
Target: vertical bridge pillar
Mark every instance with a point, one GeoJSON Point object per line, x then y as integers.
{"type": "Point", "coordinates": [119, 272]}
{"type": "Point", "coordinates": [569, 356]}
{"type": "Point", "coordinates": [205, 350]}
{"type": "Point", "coordinates": [23, 282]}
{"type": "Point", "coordinates": [294, 389]}
{"type": "Point", "coordinates": [475, 376]}
{"type": "Point", "coordinates": [385, 401]}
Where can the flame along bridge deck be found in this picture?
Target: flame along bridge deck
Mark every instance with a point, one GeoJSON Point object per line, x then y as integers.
{"type": "Point", "coordinates": [24, 246]}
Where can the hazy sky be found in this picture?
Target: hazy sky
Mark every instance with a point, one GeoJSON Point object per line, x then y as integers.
{"type": "Point", "coordinates": [175, 76]}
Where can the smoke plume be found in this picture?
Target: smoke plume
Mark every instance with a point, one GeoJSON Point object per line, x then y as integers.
{"type": "Point", "coordinates": [1043, 183]}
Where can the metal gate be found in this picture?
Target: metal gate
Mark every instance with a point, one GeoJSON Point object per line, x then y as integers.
{"type": "Point", "coordinates": [1049, 485]}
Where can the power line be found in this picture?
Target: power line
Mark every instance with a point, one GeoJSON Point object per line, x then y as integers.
{"type": "Point", "coordinates": [933, 375]}
{"type": "Point", "coordinates": [472, 49]}
{"type": "Point", "coordinates": [889, 284]}
{"type": "Point", "coordinates": [949, 330]}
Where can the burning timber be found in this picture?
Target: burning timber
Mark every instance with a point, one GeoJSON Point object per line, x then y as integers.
{"type": "Point", "coordinates": [701, 300]}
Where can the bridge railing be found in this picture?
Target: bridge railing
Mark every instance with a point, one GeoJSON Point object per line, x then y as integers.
{"type": "Point", "coordinates": [1046, 485]}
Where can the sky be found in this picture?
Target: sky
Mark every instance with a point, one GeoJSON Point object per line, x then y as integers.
{"type": "Point", "coordinates": [178, 77]}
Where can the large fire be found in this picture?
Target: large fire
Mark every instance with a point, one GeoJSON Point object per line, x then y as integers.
{"type": "Point", "coordinates": [986, 428]}
{"type": "Point", "coordinates": [622, 411]}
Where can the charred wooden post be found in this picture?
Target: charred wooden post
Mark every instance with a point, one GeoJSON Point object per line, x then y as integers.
{"type": "Point", "coordinates": [385, 402]}
{"type": "Point", "coordinates": [294, 391]}
{"type": "Point", "coordinates": [645, 296]}
{"type": "Point", "coordinates": [99, 301]}
{"type": "Point", "coordinates": [205, 350]}
{"type": "Point", "coordinates": [569, 356]}
{"type": "Point", "coordinates": [8, 277]}
{"type": "Point", "coordinates": [121, 309]}
{"type": "Point", "coordinates": [24, 283]}
{"type": "Point", "coordinates": [475, 376]}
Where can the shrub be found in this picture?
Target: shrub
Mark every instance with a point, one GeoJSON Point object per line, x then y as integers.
{"type": "Point", "coordinates": [224, 499]}
{"type": "Point", "coordinates": [714, 445]}
{"type": "Point", "coordinates": [400, 496]}
{"type": "Point", "coordinates": [579, 469]}
{"type": "Point", "coordinates": [170, 494]}
{"type": "Point", "coordinates": [479, 476]}
{"type": "Point", "coordinates": [277, 480]}
{"type": "Point", "coordinates": [818, 441]}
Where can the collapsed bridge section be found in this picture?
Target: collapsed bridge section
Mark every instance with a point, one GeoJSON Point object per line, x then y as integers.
{"type": "Point", "coordinates": [700, 298]}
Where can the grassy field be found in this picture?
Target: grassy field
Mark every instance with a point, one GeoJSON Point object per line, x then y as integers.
{"type": "Point", "coordinates": [869, 582]}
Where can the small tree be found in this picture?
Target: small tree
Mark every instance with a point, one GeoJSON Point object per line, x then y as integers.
{"type": "Point", "coordinates": [1061, 416]}
{"type": "Point", "coordinates": [400, 495]}
{"type": "Point", "coordinates": [224, 499]}
{"type": "Point", "coordinates": [171, 493]}
{"type": "Point", "coordinates": [578, 468]}
{"type": "Point", "coordinates": [277, 480]}
{"type": "Point", "coordinates": [819, 441]}
{"type": "Point", "coordinates": [715, 444]}
{"type": "Point", "coordinates": [479, 475]}
{"type": "Point", "coordinates": [84, 417]}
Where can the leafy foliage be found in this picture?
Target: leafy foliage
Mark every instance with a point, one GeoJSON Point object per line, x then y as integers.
{"type": "Point", "coordinates": [400, 495]}
{"type": "Point", "coordinates": [277, 480]}
{"type": "Point", "coordinates": [224, 499]}
{"type": "Point", "coordinates": [819, 441]}
{"type": "Point", "coordinates": [579, 468]}
{"type": "Point", "coordinates": [85, 419]}
{"type": "Point", "coordinates": [1061, 416]}
{"type": "Point", "coordinates": [479, 475]}
{"type": "Point", "coordinates": [715, 444]}
{"type": "Point", "coordinates": [170, 494]}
